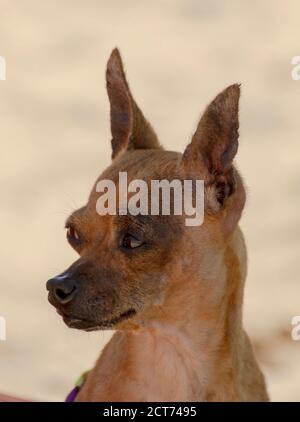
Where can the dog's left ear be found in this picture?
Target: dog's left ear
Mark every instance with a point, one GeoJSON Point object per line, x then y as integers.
{"type": "Point", "coordinates": [215, 144]}
{"type": "Point", "coordinates": [129, 128]}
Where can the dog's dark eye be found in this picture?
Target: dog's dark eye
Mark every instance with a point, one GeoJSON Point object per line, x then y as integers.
{"type": "Point", "coordinates": [72, 234]}
{"type": "Point", "coordinates": [130, 242]}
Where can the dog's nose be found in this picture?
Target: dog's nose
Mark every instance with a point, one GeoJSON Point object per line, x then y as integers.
{"type": "Point", "coordinates": [63, 289]}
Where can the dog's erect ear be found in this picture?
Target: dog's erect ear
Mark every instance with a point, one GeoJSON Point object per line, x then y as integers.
{"type": "Point", "coordinates": [215, 143]}
{"type": "Point", "coordinates": [129, 128]}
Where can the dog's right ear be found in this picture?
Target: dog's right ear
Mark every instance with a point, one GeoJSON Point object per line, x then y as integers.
{"type": "Point", "coordinates": [210, 156]}
{"type": "Point", "coordinates": [215, 143]}
{"type": "Point", "coordinates": [129, 128]}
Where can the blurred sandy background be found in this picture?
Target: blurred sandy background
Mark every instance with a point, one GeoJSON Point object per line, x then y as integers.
{"type": "Point", "coordinates": [55, 139]}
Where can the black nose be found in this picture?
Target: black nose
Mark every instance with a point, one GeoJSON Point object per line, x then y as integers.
{"type": "Point", "coordinates": [62, 288]}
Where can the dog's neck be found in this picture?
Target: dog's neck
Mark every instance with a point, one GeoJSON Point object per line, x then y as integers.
{"type": "Point", "coordinates": [205, 330]}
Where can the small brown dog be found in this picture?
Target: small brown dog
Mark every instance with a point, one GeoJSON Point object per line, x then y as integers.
{"type": "Point", "coordinates": [173, 293]}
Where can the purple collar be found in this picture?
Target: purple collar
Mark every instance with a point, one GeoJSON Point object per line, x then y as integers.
{"type": "Point", "coordinates": [79, 383]}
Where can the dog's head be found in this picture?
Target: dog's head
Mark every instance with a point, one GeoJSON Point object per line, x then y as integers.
{"type": "Point", "coordinates": [136, 268]}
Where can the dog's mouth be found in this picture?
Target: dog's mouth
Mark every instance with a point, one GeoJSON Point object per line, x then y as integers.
{"type": "Point", "coordinates": [80, 323]}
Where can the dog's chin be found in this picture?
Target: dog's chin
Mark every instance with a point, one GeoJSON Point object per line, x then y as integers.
{"type": "Point", "coordinates": [109, 323]}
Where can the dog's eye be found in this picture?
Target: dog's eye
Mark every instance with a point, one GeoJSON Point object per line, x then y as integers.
{"type": "Point", "coordinates": [130, 242]}
{"type": "Point", "coordinates": [72, 234]}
